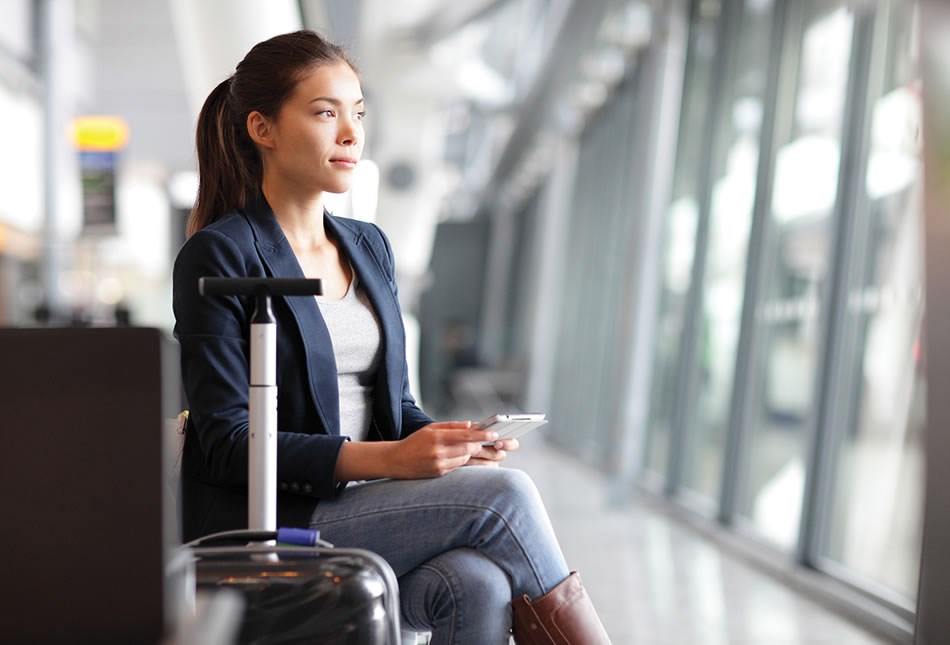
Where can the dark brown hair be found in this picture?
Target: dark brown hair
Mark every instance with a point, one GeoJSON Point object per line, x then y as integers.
{"type": "Point", "coordinates": [229, 166]}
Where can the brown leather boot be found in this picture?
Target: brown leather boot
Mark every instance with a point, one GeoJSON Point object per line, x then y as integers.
{"type": "Point", "coordinates": [562, 616]}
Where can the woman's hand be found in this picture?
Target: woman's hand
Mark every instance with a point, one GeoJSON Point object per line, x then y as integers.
{"type": "Point", "coordinates": [431, 451]}
{"type": "Point", "coordinates": [437, 449]}
{"type": "Point", "coordinates": [494, 454]}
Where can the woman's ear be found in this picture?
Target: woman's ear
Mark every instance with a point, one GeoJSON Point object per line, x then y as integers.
{"type": "Point", "coordinates": [259, 129]}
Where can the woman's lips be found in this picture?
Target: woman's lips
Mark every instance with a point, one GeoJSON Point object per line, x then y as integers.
{"type": "Point", "coordinates": [344, 162]}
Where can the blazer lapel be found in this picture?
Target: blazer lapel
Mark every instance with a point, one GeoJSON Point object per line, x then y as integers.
{"type": "Point", "coordinates": [279, 260]}
{"type": "Point", "coordinates": [373, 277]}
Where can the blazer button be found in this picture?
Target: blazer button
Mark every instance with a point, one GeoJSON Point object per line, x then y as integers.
{"type": "Point", "coordinates": [307, 488]}
{"type": "Point", "coordinates": [283, 485]}
{"type": "Point", "coordinates": [295, 487]}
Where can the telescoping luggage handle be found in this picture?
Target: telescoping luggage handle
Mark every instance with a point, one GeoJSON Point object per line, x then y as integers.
{"type": "Point", "coordinates": [262, 394]}
{"type": "Point", "coordinates": [262, 441]}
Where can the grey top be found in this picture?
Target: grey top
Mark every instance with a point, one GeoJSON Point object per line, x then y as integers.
{"type": "Point", "coordinates": [354, 331]}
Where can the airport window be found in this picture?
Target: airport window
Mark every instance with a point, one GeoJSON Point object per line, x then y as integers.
{"type": "Point", "coordinates": [680, 235]}
{"type": "Point", "coordinates": [796, 274]}
{"type": "Point", "coordinates": [734, 166]}
{"type": "Point", "coordinates": [875, 510]}
{"type": "Point", "coordinates": [597, 250]}
{"type": "Point", "coordinates": [788, 387]}
{"type": "Point", "coordinates": [521, 278]}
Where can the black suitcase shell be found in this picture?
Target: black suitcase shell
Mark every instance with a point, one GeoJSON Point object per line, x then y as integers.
{"type": "Point", "coordinates": [305, 595]}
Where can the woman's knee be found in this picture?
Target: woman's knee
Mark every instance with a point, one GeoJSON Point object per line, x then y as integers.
{"type": "Point", "coordinates": [459, 586]}
{"type": "Point", "coordinates": [500, 498]}
{"type": "Point", "coordinates": [471, 577]}
{"type": "Point", "coordinates": [506, 484]}
{"type": "Point", "coordinates": [513, 494]}
{"type": "Point", "coordinates": [475, 576]}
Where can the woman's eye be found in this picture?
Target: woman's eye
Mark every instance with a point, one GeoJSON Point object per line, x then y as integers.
{"type": "Point", "coordinates": [325, 113]}
{"type": "Point", "coordinates": [360, 115]}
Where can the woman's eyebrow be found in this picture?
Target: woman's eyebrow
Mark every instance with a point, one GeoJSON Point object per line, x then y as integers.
{"type": "Point", "coordinates": [334, 101]}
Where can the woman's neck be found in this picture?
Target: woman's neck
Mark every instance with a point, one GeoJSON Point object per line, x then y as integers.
{"type": "Point", "coordinates": [299, 215]}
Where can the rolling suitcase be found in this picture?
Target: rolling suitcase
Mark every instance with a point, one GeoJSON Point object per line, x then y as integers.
{"type": "Point", "coordinates": [295, 594]}
{"type": "Point", "coordinates": [296, 588]}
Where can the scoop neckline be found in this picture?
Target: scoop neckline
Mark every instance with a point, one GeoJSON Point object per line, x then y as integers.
{"type": "Point", "coordinates": [350, 291]}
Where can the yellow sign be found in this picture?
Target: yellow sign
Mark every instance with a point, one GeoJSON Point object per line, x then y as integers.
{"type": "Point", "coordinates": [99, 133]}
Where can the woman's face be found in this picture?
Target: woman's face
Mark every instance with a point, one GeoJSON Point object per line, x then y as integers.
{"type": "Point", "coordinates": [317, 137]}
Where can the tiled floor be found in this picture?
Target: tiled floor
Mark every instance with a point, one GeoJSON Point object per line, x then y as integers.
{"type": "Point", "coordinates": [656, 582]}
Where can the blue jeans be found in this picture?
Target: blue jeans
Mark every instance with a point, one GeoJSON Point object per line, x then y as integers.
{"type": "Point", "coordinates": [462, 546]}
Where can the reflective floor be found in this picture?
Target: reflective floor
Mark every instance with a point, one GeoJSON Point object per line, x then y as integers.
{"type": "Point", "coordinates": [656, 582]}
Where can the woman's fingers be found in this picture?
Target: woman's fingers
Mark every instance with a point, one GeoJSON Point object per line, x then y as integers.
{"type": "Point", "coordinates": [460, 432]}
{"type": "Point", "coordinates": [507, 444]}
{"type": "Point", "coordinates": [439, 448]}
{"type": "Point", "coordinates": [490, 453]}
{"type": "Point", "coordinates": [475, 461]}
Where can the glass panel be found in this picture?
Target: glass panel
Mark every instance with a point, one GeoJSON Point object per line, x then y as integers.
{"type": "Point", "coordinates": [803, 200]}
{"type": "Point", "coordinates": [583, 406]}
{"type": "Point", "coordinates": [521, 279]}
{"type": "Point", "coordinates": [680, 236]}
{"type": "Point", "coordinates": [877, 505]}
{"type": "Point", "coordinates": [724, 278]}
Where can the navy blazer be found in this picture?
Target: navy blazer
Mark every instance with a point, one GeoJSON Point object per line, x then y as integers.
{"type": "Point", "coordinates": [213, 333]}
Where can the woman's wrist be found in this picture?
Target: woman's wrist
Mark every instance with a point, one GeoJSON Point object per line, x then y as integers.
{"type": "Point", "coordinates": [359, 460]}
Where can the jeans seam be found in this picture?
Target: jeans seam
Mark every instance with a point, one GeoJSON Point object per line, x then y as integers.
{"type": "Point", "coordinates": [457, 606]}
{"type": "Point", "coordinates": [503, 519]}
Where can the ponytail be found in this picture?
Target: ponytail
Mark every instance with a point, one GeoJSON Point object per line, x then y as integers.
{"type": "Point", "coordinates": [229, 168]}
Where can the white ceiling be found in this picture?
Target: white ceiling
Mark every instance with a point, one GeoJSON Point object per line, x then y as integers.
{"type": "Point", "coordinates": [418, 59]}
{"type": "Point", "coordinates": [137, 74]}
{"type": "Point", "coordinates": [139, 69]}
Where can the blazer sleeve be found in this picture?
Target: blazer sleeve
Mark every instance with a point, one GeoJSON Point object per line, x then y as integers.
{"type": "Point", "coordinates": [213, 333]}
{"type": "Point", "coordinates": [413, 417]}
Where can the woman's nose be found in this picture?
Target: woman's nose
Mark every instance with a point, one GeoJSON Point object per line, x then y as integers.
{"type": "Point", "coordinates": [348, 135]}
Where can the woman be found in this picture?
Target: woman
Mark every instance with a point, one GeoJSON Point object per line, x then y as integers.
{"type": "Point", "coordinates": [272, 139]}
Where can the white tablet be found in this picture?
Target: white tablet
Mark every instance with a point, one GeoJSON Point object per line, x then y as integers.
{"type": "Point", "coordinates": [509, 426]}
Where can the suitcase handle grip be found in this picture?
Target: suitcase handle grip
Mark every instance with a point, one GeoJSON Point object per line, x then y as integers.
{"type": "Point", "coordinates": [283, 535]}
{"type": "Point", "coordinates": [210, 286]}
